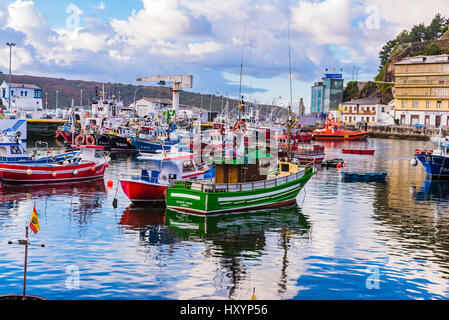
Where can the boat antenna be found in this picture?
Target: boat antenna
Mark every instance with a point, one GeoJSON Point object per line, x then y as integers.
{"type": "Point", "coordinates": [241, 70]}
{"type": "Point", "coordinates": [289, 116]}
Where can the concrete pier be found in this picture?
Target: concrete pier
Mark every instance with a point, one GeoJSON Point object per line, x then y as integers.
{"type": "Point", "coordinates": [402, 132]}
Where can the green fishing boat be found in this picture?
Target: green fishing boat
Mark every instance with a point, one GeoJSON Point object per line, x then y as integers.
{"type": "Point", "coordinates": [241, 184]}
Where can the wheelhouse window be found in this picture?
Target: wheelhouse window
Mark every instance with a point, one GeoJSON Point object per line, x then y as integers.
{"type": "Point", "coordinates": [188, 166]}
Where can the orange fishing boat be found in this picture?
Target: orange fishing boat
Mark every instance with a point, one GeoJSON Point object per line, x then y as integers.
{"type": "Point", "coordinates": [336, 132]}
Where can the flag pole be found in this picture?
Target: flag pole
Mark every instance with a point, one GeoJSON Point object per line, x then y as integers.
{"type": "Point", "coordinates": [26, 262]}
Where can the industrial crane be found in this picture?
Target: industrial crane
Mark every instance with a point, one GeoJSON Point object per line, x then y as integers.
{"type": "Point", "coordinates": [179, 81]}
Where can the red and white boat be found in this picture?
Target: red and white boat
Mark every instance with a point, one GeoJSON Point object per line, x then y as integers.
{"type": "Point", "coordinates": [151, 184]}
{"type": "Point", "coordinates": [90, 164]}
{"type": "Point", "coordinates": [309, 153]}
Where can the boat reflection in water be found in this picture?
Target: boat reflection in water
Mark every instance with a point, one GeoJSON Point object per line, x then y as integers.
{"type": "Point", "coordinates": [234, 241]}
{"type": "Point", "coordinates": [83, 198]}
{"type": "Point", "coordinates": [432, 190]}
{"type": "Point", "coordinates": [150, 223]}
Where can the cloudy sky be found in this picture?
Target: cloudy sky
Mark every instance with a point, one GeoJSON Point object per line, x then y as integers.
{"type": "Point", "coordinates": [119, 41]}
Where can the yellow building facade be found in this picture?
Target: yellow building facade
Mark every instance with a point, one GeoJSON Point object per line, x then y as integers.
{"type": "Point", "coordinates": [422, 91]}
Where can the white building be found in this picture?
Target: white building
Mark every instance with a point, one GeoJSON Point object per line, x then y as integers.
{"type": "Point", "coordinates": [367, 110]}
{"type": "Point", "coordinates": [24, 97]}
{"type": "Point", "coordinates": [152, 107]}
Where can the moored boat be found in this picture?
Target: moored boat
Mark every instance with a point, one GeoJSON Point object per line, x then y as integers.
{"type": "Point", "coordinates": [240, 184]}
{"type": "Point", "coordinates": [91, 163]}
{"type": "Point", "coordinates": [435, 162]}
{"type": "Point", "coordinates": [364, 176]}
{"type": "Point", "coordinates": [151, 185]}
{"type": "Point", "coordinates": [335, 132]}
{"type": "Point", "coordinates": [358, 151]}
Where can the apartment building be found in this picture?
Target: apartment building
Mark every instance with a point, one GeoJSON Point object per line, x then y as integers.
{"type": "Point", "coordinates": [422, 90]}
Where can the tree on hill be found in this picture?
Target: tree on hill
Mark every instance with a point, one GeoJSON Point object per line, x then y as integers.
{"type": "Point", "coordinates": [419, 33]}
{"type": "Point", "coordinates": [351, 91]}
{"type": "Point", "coordinates": [432, 49]}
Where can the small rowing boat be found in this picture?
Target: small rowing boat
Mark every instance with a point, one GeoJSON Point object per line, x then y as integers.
{"type": "Point", "coordinates": [364, 176]}
{"type": "Point", "coordinates": [358, 151]}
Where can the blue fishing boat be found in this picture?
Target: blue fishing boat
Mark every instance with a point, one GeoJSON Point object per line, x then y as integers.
{"type": "Point", "coordinates": [435, 162]}
{"type": "Point", "coordinates": [364, 176]}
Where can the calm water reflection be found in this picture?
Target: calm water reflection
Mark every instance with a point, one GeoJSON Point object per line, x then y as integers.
{"type": "Point", "coordinates": [342, 241]}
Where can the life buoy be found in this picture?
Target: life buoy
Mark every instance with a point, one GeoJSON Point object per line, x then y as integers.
{"type": "Point", "coordinates": [238, 125]}
{"type": "Point", "coordinates": [79, 140]}
{"type": "Point", "coordinates": [90, 140]}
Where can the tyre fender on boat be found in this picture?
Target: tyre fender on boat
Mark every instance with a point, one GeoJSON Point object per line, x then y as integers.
{"type": "Point", "coordinates": [90, 140]}
{"type": "Point", "coordinates": [79, 140]}
{"type": "Point", "coordinates": [237, 126]}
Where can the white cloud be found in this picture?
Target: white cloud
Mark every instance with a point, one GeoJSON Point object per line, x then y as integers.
{"type": "Point", "coordinates": [101, 6]}
{"type": "Point", "coordinates": [21, 58]}
{"type": "Point", "coordinates": [326, 22]}
{"type": "Point", "coordinates": [159, 19]}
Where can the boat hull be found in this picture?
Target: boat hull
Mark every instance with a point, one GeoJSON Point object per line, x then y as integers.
{"type": "Point", "coordinates": [435, 166]}
{"type": "Point", "coordinates": [150, 146]}
{"type": "Point", "coordinates": [141, 191]}
{"type": "Point", "coordinates": [11, 173]}
{"type": "Point", "coordinates": [114, 143]}
{"type": "Point", "coordinates": [352, 151]}
{"type": "Point", "coordinates": [317, 158]}
{"type": "Point", "coordinates": [338, 137]}
{"type": "Point", "coordinates": [208, 203]}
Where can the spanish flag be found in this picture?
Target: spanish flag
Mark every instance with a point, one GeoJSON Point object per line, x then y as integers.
{"type": "Point", "coordinates": [34, 222]}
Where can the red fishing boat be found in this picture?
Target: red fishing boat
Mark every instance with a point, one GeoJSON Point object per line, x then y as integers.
{"type": "Point", "coordinates": [336, 132]}
{"type": "Point", "coordinates": [151, 185]}
{"type": "Point", "coordinates": [356, 151]}
{"type": "Point", "coordinates": [90, 164]}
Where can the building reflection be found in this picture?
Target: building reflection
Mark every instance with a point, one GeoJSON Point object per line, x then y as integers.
{"type": "Point", "coordinates": [231, 240]}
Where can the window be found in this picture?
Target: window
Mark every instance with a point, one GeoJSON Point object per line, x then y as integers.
{"type": "Point", "coordinates": [383, 109]}
{"type": "Point", "coordinates": [427, 104]}
{"type": "Point", "coordinates": [188, 166]}
{"type": "Point", "coordinates": [403, 103]}
{"type": "Point", "coordinates": [415, 104]}
{"type": "Point", "coordinates": [12, 92]}
{"type": "Point", "coordinates": [4, 93]}
{"type": "Point", "coordinates": [26, 93]}
{"type": "Point", "coordinates": [438, 104]}
{"type": "Point", "coordinates": [21, 93]}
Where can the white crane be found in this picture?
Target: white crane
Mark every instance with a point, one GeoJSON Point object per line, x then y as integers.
{"type": "Point", "coordinates": [179, 81]}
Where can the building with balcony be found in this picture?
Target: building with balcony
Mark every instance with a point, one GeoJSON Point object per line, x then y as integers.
{"type": "Point", "coordinates": [422, 90]}
{"type": "Point", "coordinates": [327, 94]}
{"type": "Point", "coordinates": [366, 110]}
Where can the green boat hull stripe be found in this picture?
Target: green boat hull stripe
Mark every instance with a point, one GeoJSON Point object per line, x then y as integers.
{"type": "Point", "coordinates": [272, 193]}
{"type": "Point", "coordinates": [186, 196]}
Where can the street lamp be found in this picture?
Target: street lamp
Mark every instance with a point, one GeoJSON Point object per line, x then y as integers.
{"type": "Point", "coordinates": [57, 93]}
{"type": "Point", "coordinates": [10, 58]}
{"type": "Point", "coordinates": [81, 98]}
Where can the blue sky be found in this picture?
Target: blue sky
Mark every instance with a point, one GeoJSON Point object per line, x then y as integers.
{"type": "Point", "coordinates": [119, 41]}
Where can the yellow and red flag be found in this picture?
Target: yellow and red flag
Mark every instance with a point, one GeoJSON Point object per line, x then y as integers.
{"type": "Point", "coordinates": [34, 222]}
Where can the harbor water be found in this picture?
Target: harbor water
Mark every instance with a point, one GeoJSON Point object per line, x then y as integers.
{"type": "Point", "coordinates": [343, 240]}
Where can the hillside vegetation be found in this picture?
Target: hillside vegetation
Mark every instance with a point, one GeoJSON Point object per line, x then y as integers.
{"type": "Point", "coordinates": [420, 40]}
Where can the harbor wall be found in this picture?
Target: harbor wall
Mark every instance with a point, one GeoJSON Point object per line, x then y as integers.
{"type": "Point", "coordinates": [401, 132]}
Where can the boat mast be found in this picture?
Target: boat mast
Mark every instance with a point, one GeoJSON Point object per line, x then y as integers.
{"type": "Point", "coordinates": [289, 116]}
{"type": "Point", "coordinates": [241, 72]}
